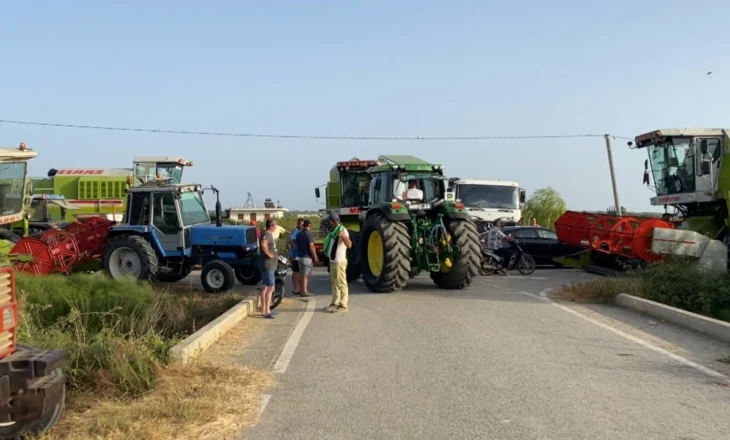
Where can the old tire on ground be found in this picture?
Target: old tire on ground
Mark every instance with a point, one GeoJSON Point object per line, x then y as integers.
{"type": "Point", "coordinates": [41, 425]}
{"type": "Point", "coordinates": [174, 275]}
{"type": "Point", "coordinates": [217, 276]}
{"type": "Point", "coordinates": [466, 265]}
{"type": "Point", "coordinates": [385, 254]}
{"type": "Point", "coordinates": [129, 256]}
{"type": "Point", "coordinates": [248, 275]}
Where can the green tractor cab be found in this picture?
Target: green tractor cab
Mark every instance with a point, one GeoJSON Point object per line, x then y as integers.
{"type": "Point", "coordinates": [406, 226]}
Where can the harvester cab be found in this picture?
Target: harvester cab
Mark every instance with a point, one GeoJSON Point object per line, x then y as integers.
{"type": "Point", "coordinates": [409, 227]}
{"type": "Point", "coordinates": [167, 168]}
{"type": "Point", "coordinates": [14, 190]}
{"type": "Point", "coordinates": [167, 232]}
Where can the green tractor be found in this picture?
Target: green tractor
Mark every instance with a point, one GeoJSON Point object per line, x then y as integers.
{"type": "Point", "coordinates": [406, 226]}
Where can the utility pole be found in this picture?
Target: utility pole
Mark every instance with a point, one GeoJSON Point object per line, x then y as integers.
{"type": "Point", "coordinates": [613, 176]}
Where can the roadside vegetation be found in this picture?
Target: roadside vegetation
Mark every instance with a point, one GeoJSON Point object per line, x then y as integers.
{"type": "Point", "coordinates": [677, 283]}
{"type": "Point", "coordinates": [120, 380]}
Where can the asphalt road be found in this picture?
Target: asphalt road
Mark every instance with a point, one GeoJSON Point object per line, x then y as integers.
{"type": "Point", "coordinates": [495, 361]}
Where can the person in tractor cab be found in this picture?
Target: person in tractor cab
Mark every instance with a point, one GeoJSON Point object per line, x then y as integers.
{"type": "Point", "coordinates": [413, 193]}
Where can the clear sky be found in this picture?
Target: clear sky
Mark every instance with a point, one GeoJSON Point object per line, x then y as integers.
{"type": "Point", "coordinates": [365, 68]}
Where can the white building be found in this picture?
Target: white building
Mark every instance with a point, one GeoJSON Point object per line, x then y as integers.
{"type": "Point", "coordinates": [248, 215]}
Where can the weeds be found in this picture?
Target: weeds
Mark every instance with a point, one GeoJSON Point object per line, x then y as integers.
{"type": "Point", "coordinates": [600, 290]}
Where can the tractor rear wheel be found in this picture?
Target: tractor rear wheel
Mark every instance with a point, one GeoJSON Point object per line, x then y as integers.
{"type": "Point", "coordinates": [129, 256]}
{"type": "Point", "coordinates": [465, 266]}
{"type": "Point", "coordinates": [385, 256]}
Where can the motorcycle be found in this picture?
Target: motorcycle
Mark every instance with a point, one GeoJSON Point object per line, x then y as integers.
{"type": "Point", "coordinates": [282, 270]}
{"type": "Point", "coordinates": [492, 263]}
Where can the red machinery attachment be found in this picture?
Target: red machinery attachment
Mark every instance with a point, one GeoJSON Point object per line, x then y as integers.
{"type": "Point", "coordinates": [626, 236]}
{"type": "Point", "coordinates": [59, 250]}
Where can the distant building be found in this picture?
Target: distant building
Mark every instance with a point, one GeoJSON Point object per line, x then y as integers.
{"type": "Point", "coordinates": [248, 214]}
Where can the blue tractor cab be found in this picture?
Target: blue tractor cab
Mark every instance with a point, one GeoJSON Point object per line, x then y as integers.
{"type": "Point", "coordinates": [167, 231]}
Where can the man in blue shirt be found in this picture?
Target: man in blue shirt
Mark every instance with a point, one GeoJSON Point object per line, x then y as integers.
{"type": "Point", "coordinates": [296, 281]}
{"type": "Point", "coordinates": [306, 255]}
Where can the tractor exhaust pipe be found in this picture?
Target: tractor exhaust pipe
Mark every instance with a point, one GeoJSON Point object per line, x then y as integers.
{"type": "Point", "coordinates": [218, 208]}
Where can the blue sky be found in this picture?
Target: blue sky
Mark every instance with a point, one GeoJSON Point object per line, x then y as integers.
{"type": "Point", "coordinates": [376, 68]}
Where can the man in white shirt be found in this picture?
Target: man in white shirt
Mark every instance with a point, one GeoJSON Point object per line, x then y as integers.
{"type": "Point", "coordinates": [335, 247]}
{"type": "Point", "coordinates": [413, 192]}
{"type": "Point", "coordinates": [495, 241]}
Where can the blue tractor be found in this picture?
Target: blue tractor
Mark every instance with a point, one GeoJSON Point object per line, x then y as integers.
{"type": "Point", "coordinates": [168, 232]}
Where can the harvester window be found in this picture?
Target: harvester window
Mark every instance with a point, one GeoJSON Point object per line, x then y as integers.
{"type": "Point", "coordinates": [12, 177]}
{"type": "Point", "coordinates": [165, 214]}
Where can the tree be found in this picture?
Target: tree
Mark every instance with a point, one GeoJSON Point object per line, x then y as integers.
{"type": "Point", "coordinates": [545, 205]}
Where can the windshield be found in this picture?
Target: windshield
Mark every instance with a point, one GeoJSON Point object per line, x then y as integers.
{"type": "Point", "coordinates": [193, 209]}
{"type": "Point", "coordinates": [672, 166]}
{"type": "Point", "coordinates": [355, 186]}
{"type": "Point", "coordinates": [422, 187]}
{"type": "Point", "coordinates": [147, 171]}
{"type": "Point", "coordinates": [12, 177]}
{"type": "Point", "coordinates": [170, 171]}
{"type": "Point", "coordinates": [489, 196]}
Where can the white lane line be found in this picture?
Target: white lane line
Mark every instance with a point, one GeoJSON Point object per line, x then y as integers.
{"type": "Point", "coordinates": [545, 292]}
{"type": "Point", "coordinates": [291, 345]}
{"type": "Point", "coordinates": [708, 371]}
{"type": "Point", "coordinates": [264, 402]}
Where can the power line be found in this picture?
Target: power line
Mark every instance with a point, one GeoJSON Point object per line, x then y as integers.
{"type": "Point", "coordinates": [298, 136]}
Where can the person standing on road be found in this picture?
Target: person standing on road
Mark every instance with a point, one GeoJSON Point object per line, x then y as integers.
{"type": "Point", "coordinates": [307, 256]}
{"type": "Point", "coordinates": [336, 244]}
{"type": "Point", "coordinates": [295, 273]}
{"type": "Point", "coordinates": [269, 261]}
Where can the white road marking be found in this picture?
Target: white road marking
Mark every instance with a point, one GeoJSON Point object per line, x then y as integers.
{"type": "Point", "coordinates": [708, 371]}
{"type": "Point", "coordinates": [291, 345]}
{"type": "Point", "coordinates": [264, 402]}
{"type": "Point", "coordinates": [545, 292]}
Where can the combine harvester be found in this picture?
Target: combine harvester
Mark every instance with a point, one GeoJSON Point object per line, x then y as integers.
{"type": "Point", "coordinates": [690, 175]}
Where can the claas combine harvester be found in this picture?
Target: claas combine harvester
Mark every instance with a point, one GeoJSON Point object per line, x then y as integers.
{"type": "Point", "coordinates": [690, 175]}
{"type": "Point", "coordinates": [394, 237]}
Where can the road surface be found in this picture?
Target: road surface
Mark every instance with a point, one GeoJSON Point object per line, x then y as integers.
{"type": "Point", "coordinates": [495, 361]}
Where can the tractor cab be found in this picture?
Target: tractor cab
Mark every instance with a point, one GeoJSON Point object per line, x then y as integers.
{"type": "Point", "coordinates": [407, 179]}
{"type": "Point", "coordinates": [165, 168]}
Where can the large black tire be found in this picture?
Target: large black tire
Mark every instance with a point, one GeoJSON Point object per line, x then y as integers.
{"type": "Point", "coordinates": [248, 275]}
{"type": "Point", "coordinates": [8, 235]}
{"type": "Point", "coordinates": [173, 275]}
{"type": "Point", "coordinates": [466, 265]}
{"type": "Point", "coordinates": [41, 425]}
{"type": "Point", "coordinates": [149, 264]}
{"type": "Point", "coordinates": [217, 276]}
{"type": "Point", "coordinates": [396, 254]}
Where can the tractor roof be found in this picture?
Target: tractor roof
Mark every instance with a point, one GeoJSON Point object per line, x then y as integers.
{"type": "Point", "coordinates": [164, 186]}
{"type": "Point", "coordinates": [21, 154]}
{"type": "Point", "coordinates": [688, 132]}
{"type": "Point", "coordinates": [404, 162]}
{"type": "Point", "coordinates": [163, 159]}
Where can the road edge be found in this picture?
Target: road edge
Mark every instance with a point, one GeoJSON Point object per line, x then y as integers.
{"type": "Point", "coordinates": [692, 321]}
{"type": "Point", "coordinates": [198, 342]}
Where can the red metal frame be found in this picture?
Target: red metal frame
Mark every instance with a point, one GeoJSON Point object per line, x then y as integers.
{"type": "Point", "coordinates": [13, 306]}
{"type": "Point", "coordinates": [626, 236]}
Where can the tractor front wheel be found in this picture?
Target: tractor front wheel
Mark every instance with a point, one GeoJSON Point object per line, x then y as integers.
{"type": "Point", "coordinates": [465, 265]}
{"type": "Point", "coordinates": [217, 276]}
{"type": "Point", "coordinates": [130, 257]}
{"type": "Point", "coordinates": [385, 258]}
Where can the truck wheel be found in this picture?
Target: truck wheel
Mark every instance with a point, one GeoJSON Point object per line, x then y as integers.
{"type": "Point", "coordinates": [130, 256]}
{"type": "Point", "coordinates": [41, 425]}
{"type": "Point", "coordinates": [173, 275]}
{"type": "Point", "coordinates": [465, 266]}
{"type": "Point", "coordinates": [248, 275]}
{"type": "Point", "coordinates": [353, 259]}
{"type": "Point", "coordinates": [217, 276]}
{"type": "Point", "coordinates": [385, 257]}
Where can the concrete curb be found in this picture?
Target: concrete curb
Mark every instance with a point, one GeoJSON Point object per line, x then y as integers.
{"type": "Point", "coordinates": [199, 341]}
{"type": "Point", "coordinates": [702, 324]}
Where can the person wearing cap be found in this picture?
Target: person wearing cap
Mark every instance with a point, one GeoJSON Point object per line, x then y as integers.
{"type": "Point", "coordinates": [306, 255]}
{"type": "Point", "coordinates": [336, 244]}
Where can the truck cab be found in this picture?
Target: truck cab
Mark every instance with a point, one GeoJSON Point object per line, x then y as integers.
{"type": "Point", "coordinates": [489, 200]}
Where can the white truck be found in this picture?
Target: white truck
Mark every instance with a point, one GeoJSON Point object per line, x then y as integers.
{"type": "Point", "coordinates": [488, 200]}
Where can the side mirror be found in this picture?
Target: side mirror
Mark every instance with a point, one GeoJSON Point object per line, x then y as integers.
{"type": "Point", "coordinates": [316, 192]}
{"type": "Point", "coordinates": [646, 164]}
{"type": "Point", "coordinates": [522, 195]}
{"type": "Point", "coordinates": [645, 179]}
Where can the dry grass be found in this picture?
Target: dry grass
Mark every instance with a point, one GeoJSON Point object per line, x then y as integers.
{"type": "Point", "coordinates": [600, 290]}
{"type": "Point", "coordinates": [201, 401]}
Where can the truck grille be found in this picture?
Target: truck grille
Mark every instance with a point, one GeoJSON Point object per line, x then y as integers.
{"type": "Point", "coordinates": [251, 236]}
{"type": "Point", "coordinates": [8, 311]}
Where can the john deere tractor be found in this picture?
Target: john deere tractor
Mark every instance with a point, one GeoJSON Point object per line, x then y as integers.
{"type": "Point", "coordinates": [406, 226]}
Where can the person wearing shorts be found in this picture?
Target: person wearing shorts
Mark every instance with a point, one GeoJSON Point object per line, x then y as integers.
{"type": "Point", "coordinates": [306, 255]}
{"type": "Point", "coordinates": [269, 261]}
{"type": "Point", "coordinates": [295, 277]}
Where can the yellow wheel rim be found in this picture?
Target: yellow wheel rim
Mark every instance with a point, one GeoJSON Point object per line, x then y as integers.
{"type": "Point", "coordinates": [375, 253]}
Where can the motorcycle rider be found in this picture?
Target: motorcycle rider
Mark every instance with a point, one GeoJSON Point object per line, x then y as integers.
{"type": "Point", "coordinates": [495, 243]}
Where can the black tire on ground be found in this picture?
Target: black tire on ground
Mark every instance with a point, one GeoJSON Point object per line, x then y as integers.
{"type": "Point", "coordinates": [217, 276]}
{"type": "Point", "coordinates": [41, 425]}
{"type": "Point", "coordinates": [248, 275]}
{"type": "Point", "coordinates": [173, 275]}
{"type": "Point", "coordinates": [278, 294]}
{"type": "Point", "coordinates": [353, 258]}
{"type": "Point", "coordinates": [396, 254]}
{"type": "Point", "coordinates": [8, 235]}
{"type": "Point", "coordinates": [137, 244]}
{"type": "Point", "coordinates": [466, 265]}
